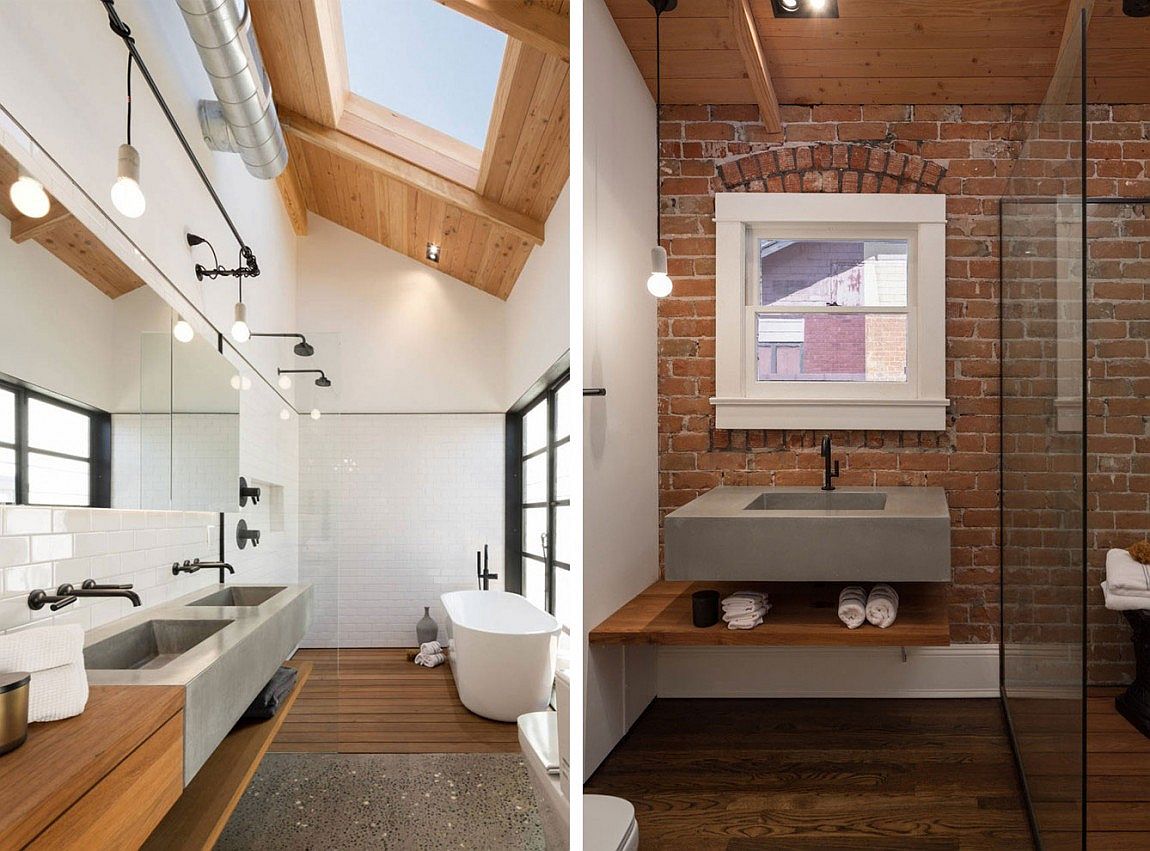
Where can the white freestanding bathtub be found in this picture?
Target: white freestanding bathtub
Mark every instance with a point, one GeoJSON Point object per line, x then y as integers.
{"type": "Point", "coordinates": [502, 652]}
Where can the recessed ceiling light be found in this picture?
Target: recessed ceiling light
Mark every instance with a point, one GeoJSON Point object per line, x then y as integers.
{"type": "Point", "coordinates": [805, 8]}
{"type": "Point", "coordinates": [433, 252]}
{"type": "Point", "coordinates": [790, 4]}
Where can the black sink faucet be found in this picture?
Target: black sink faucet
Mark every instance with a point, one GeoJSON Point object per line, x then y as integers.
{"type": "Point", "coordinates": [196, 565]}
{"type": "Point", "coordinates": [89, 588]}
{"type": "Point", "coordinates": [828, 485]}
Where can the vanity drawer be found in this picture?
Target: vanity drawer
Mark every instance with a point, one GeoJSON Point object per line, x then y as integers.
{"type": "Point", "coordinates": [123, 808]}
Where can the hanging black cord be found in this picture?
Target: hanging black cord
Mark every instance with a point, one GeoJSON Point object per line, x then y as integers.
{"type": "Point", "coordinates": [129, 134]}
{"type": "Point", "coordinates": [124, 32]}
{"type": "Point", "coordinates": [658, 119]}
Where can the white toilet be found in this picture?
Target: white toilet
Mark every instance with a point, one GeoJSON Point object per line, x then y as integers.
{"type": "Point", "coordinates": [608, 823]}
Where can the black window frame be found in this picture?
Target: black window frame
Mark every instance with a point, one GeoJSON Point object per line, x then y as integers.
{"type": "Point", "coordinates": [100, 434]}
{"type": "Point", "coordinates": [545, 390]}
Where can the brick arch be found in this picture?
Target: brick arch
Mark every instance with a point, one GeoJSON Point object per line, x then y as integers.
{"type": "Point", "coordinates": [831, 168]}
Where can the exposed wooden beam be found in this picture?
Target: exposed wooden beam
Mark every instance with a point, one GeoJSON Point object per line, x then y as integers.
{"type": "Point", "coordinates": [746, 34]}
{"type": "Point", "coordinates": [291, 194]}
{"type": "Point", "coordinates": [396, 168]}
{"type": "Point", "coordinates": [528, 21]}
{"type": "Point", "coordinates": [329, 55]}
{"type": "Point", "coordinates": [25, 228]}
{"type": "Point", "coordinates": [1065, 82]}
{"type": "Point", "coordinates": [417, 143]}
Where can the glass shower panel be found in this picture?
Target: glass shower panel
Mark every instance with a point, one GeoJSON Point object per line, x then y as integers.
{"type": "Point", "coordinates": [1043, 445]}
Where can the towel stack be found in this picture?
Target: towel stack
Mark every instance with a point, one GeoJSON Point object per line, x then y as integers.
{"type": "Point", "coordinates": [54, 656]}
{"type": "Point", "coordinates": [1127, 585]}
{"type": "Point", "coordinates": [879, 608]}
{"type": "Point", "coordinates": [745, 609]}
{"type": "Point", "coordinates": [430, 654]}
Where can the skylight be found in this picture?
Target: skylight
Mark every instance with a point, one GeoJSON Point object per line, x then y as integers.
{"type": "Point", "coordinates": [426, 62]}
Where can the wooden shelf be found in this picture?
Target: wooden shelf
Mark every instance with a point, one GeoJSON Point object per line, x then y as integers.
{"type": "Point", "coordinates": [200, 815]}
{"type": "Point", "coordinates": [802, 613]}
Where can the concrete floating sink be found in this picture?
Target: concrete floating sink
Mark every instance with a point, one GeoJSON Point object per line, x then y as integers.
{"type": "Point", "coordinates": [149, 645]}
{"type": "Point", "coordinates": [239, 596]}
{"type": "Point", "coordinates": [805, 534]}
{"type": "Point", "coordinates": [220, 646]}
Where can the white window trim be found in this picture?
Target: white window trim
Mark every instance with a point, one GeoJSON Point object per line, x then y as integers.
{"type": "Point", "coordinates": [740, 401]}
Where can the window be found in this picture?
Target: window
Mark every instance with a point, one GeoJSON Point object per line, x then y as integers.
{"type": "Point", "coordinates": [52, 452]}
{"type": "Point", "coordinates": [539, 472]}
{"type": "Point", "coordinates": [830, 311]}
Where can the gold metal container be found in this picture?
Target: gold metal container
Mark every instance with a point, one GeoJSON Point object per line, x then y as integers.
{"type": "Point", "coordinates": [13, 710]}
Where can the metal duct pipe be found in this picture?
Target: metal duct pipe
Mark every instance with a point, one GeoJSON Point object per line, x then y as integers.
{"type": "Point", "coordinates": [223, 35]}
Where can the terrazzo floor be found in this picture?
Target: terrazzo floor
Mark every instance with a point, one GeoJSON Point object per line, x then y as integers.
{"type": "Point", "coordinates": [386, 801]}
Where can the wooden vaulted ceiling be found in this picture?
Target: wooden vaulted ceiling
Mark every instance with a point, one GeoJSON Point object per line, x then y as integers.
{"type": "Point", "coordinates": [63, 235]}
{"type": "Point", "coordinates": [404, 184]}
{"type": "Point", "coordinates": [882, 51]}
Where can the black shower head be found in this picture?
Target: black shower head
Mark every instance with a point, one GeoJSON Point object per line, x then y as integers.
{"type": "Point", "coordinates": [304, 349]}
{"type": "Point", "coordinates": [323, 381]}
{"type": "Point", "coordinates": [1136, 8]}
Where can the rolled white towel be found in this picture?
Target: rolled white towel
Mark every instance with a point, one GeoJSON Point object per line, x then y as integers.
{"type": "Point", "coordinates": [882, 606]}
{"type": "Point", "coordinates": [430, 660]}
{"type": "Point", "coordinates": [852, 606]}
{"type": "Point", "coordinates": [1121, 602]}
{"type": "Point", "coordinates": [430, 647]}
{"type": "Point", "coordinates": [57, 693]}
{"type": "Point", "coordinates": [42, 648]}
{"type": "Point", "coordinates": [1126, 576]}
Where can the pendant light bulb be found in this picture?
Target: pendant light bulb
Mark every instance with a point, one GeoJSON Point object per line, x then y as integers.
{"type": "Point", "coordinates": [183, 330]}
{"type": "Point", "coordinates": [659, 283]}
{"type": "Point", "coordinates": [127, 197]}
{"type": "Point", "coordinates": [315, 414]}
{"type": "Point", "coordinates": [285, 382]}
{"type": "Point", "coordinates": [241, 333]}
{"type": "Point", "coordinates": [29, 197]}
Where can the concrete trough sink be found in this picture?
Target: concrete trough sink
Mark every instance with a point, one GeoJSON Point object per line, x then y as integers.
{"type": "Point", "coordinates": [805, 534]}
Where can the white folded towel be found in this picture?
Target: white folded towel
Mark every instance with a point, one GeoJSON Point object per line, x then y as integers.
{"type": "Point", "coordinates": [429, 648]}
{"type": "Point", "coordinates": [42, 648]}
{"type": "Point", "coordinates": [430, 660]}
{"type": "Point", "coordinates": [852, 606]}
{"type": "Point", "coordinates": [1121, 602]}
{"type": "Point", "coordinates": [1126, 576]}
{"type": "Point", "coordinates": [54, 656]}
{"type": "Point", "coordinates": [732, 617]}
{"type": "Point", "coordinates": [745, 622]}
{"type": "Point", "coordinates": [57, 693]}
{"type": "Point", "coordinates": [882, 605]}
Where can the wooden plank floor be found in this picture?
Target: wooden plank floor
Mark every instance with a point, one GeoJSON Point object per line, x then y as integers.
{"type": "Point", "coordinates": [819, 774]}
{"type": "Point", "coordinates": [1117, 777]}
{"type": "Point", "coordinates": [376, 701]}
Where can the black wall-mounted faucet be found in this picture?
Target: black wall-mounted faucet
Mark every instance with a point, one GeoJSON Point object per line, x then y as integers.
{"type": "Point", "coordinates": [196, 565]}
{"type": "Point", "coordinates": [244, 535]}
{"type": "Point", "coordinates": [89, 588]}
{"type": "Point", "coordinates": [828, 485]}
{"type": "Point", "coordinates": [39, 598]}
{"type": "Point", "coordinates": [248, 492]}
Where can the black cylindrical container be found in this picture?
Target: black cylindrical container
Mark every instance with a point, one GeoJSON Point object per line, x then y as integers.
{"type": "Point", "coordinates": [705, 608]}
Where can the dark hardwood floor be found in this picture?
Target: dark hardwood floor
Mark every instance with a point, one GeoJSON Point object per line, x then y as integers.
{"type": "Point", "coordinates": [819, 774]}
{"type": "Point", "coordinates": [374, 700]}
{"type": "Point", "coordinates": [1117, 777]}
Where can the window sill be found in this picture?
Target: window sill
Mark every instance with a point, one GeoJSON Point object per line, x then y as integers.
{"type": "Point", "coordinates": [831, 414]}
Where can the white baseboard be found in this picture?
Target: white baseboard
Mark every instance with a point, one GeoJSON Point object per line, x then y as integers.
{"type": "Point", "coordinates": [960, 670]}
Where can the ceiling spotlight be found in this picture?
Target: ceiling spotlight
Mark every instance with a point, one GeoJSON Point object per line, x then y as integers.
{"type": "Point", "coordinates": [183, 330]}
{"type": "Point", "coordinates": [241, 333]}
{"type": "Point", "coordinates": [29, 197]}
{"type": "Point", "coordinates": [817, 5]}
{"type": "Point", "coordinates": [315, 414]}
{"type": "Point", "coordinates": [789, 5]}
{"type": "Point", "coordinates": [433, 252]}
{"type": "Point", "coordinates": [285, 382]}
{"type": "Point", "coordinates": [285, 414]}
{"type": "Point", "coordinates": [805, 8]}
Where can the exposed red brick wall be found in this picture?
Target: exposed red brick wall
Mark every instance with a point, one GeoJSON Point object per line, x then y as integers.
{"type": "Point", "coordinates": [966, 152]}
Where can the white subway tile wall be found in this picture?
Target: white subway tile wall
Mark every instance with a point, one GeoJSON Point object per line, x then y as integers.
{"type": "Point", "coordinates": [392, 511]}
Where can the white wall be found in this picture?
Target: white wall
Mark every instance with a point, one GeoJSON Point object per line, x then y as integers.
{"type": "Point", "coordinates": [539, 308]}
{"type": "Point", "coordinates": [620, 461]}
{"type": "Point", "coordinates": [414, 339]}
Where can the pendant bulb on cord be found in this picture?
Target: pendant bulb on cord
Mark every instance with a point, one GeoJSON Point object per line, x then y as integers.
{"type": "Point", "coordinates": [659, 283]}
{"type": "Point", "coordinates": [127, 196]}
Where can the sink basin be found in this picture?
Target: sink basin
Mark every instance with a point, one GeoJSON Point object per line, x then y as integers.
{"type": "Point", "coordinates": [240, 595]}
{"type": "Point", "coordinates": [806, 534]}
{"type": "Point", "coordinates": [819, 501]}
{"type": "Point", "coordinates": [149, 645]}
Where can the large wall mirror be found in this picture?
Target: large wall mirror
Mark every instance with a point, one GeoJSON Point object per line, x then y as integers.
{"type": "Point", "coordinates": [100, 405]}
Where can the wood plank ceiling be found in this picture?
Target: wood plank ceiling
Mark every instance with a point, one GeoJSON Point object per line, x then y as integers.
{"type": "Point", "coordinates": [64, 236]}
{"type": "Point", "coordinates": [889, 52]}
{"type": "Point", "coordinates": [406, 185]}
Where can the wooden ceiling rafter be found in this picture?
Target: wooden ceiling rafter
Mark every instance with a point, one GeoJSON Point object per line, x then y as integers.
{"type": "Point", "coordinates": [747, 37]}
{"type": "Point", "coordinates": [543, 26]}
